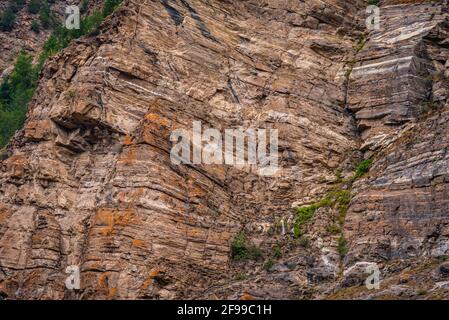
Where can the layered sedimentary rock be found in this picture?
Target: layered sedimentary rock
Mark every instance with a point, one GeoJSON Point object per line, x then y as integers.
{"type": "Point", "coordinates": [393, 74]}
{"type": "Point", "coordinates": [400, 211]}
{"type": "Point", "coordinates": [90, 174]}
{"type": "Point", "coordinates": [89, 181]}
{"type": "Point", "coordinates": [405, 111]}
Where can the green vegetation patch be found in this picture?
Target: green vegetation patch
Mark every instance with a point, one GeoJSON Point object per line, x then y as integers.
{"type": "Point", "coordinates": [342, 246]}
{"type": "Point", "coordinates": [362, 168]}
{"type": "Point", "coordinates": [17, 89]}
{"type": "Point", "coordinates": [241, 250]}
{"type": "Point", "coordinates": [15, 93]}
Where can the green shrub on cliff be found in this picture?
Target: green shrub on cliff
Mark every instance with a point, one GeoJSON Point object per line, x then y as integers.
{"type": "Point", "coordinates": [61, 36]}
{"type": "Point", "coordinates": [46, 17]}
{"type": "Point", "coordinates": [109, 6]}
{"type": "Point", "coordinates": [342, 246]}
{"type": "Point", "coordinates": [15, 93]}
{"type": "Point", "coordinates": [7, 19]}
{"type": "Point", "coordinates": [241, 250]}
{"type": "Point", "coordinates": [34, 6]}
{"type": "Point", "coordinates": [362, 168]}
{"type": "Point", "coordinates": [17, 90]}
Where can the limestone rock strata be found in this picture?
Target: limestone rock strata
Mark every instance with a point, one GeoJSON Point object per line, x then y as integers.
{"type": "Point", "coordinates": [89, 181]}
{"type": "Point", "coordinates": [393, 72]}
{"type": "Point", "coordinates": [400, 210]}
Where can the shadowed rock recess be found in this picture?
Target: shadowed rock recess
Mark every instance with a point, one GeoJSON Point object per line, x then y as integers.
{"type": "Point", "coordinates": [89, 182]}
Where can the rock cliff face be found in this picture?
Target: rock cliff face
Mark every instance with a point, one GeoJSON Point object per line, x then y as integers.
{"type": "Point", "coordinates": [89, 182]}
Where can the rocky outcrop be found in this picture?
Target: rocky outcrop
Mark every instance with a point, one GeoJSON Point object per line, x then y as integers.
{"type": "Point", "coordinates": [89, 181]}
{"type": "Point", "coordinates": [405, 193]}
{"type": "Point", "coordinates": [392, 77]}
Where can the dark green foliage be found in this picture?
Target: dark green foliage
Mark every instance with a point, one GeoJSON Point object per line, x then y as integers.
{"type": "Point", "coordinates": [61, 36]}
{"type": "Point", "coordinates": [342, 246]}
{"type": "Point", "coordinates": [15, 93]}
{"type": "Point", "coordinates": [34, 6]}
{"type": "Point", "coordinates": [46, 16]}
{"type": "Point", "coordinates": [109, 6]}
{"type": "Point", "coordinates": [84, 6]}
{"type": "Point", "coordinates": [373, 2]}
{"type": "Point", "coordinates": [16, 5]}
{"type": "Point", "coordinates": [427, 106]}
{"type": "Point", "coordinates": [3, 154]}
{"type": "Point", "coordinates": [241, 250]}
{"type": "Point", "coordinates": [35, 26]}
{"type": "Point", "coordinates": [7, 19]}
{"type": "Point", "coordinates": [362, 168]}
{"type": "Point", "coordinates": [90, 24]}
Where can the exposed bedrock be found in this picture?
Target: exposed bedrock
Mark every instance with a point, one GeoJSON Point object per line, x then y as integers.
{"type": "Point", "coordinates": [399, 93]}
{"type": "Point", "coordinates": [89, 181]}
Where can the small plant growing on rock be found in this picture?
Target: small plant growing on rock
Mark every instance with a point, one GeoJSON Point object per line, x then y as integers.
{"type": "Point", "coordinates": [339, 176]}
{"type": "Point", "coordinates": [342, 246]}
{"type": "Point", "coordinates": [362, 168]}
{"type": "Point", "coordinates": [360, 44]}
{"type": "Point", "coordinates": [333, 228]}
{"type": "Point", "coordinates": [71, 94]}
{"type": "Point", "coordinates": [277, 252]}
{"type": "Point", "coordinates": [427, 107]}
{"type": "Point", "coordinates": [268, 265]}
{"type": "Point", "coordinates": [304, 242]}
{"type": "Point", "coordinates": [304, 214]}
{"type": "Point", "coordinates": [241, 250]}
{"type": "Point", "coordinates": [35, 26]}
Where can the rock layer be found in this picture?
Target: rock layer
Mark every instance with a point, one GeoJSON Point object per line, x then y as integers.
{"type": "Point", "coordinates": [89, 181]}
{"type": "Point", "coordinates": [405, 196]}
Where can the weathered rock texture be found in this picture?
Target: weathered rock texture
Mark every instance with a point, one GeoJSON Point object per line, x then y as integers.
{"type": "Point", "coordinates": [401, 210]}
{"type": "Point", "coordinates": [89, 181]}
